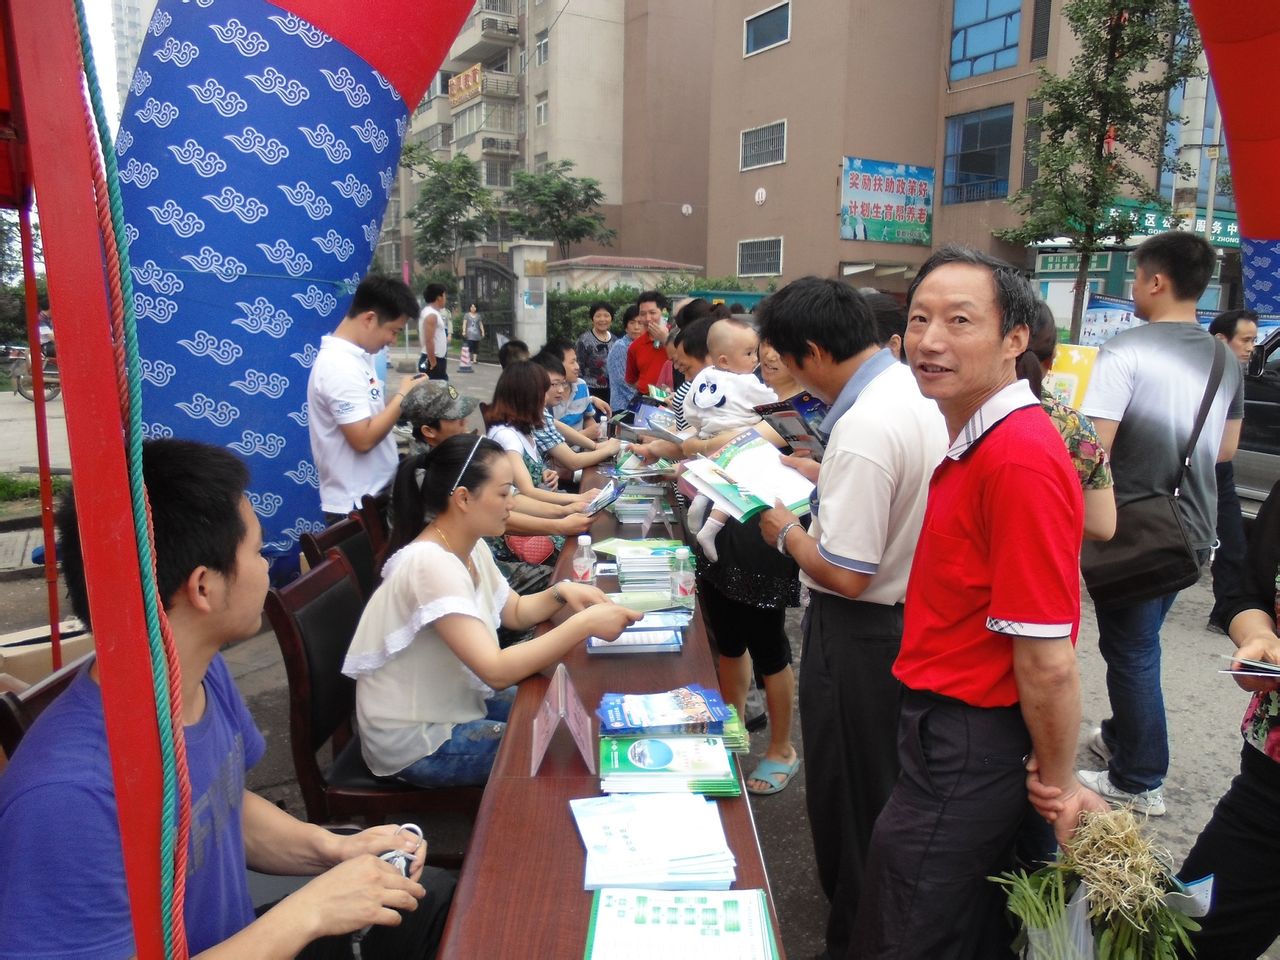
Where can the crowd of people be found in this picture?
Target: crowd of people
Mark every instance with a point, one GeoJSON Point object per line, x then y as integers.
{"type": "Point", "coordinates": [938, 567]}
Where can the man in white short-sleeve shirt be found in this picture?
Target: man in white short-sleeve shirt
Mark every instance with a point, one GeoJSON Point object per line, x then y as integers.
{"type": "Point", "coordinates": [349, 422]}
{"type": "Point", "coordinates": [433, 333]}
{"type": "Point", "coordinates": [883, 441]}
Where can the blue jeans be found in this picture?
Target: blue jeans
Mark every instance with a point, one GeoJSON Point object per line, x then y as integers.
{"type": "Point", "coordinates": [466, 758]}
{"type": "Point", "coordinates": [1136, 734]}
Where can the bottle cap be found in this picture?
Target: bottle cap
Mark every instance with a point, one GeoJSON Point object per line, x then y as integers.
{"type": "Point", "coordinates": [682, 552]}
{"type": "Point", "coordinates": [584, 539]}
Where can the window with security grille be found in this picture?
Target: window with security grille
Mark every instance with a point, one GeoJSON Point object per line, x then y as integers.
{"type": "Point", "coordinates": [497, 173]}
{"type": "Point", "coordinates": [976, 165]}
{"type": "Point", "coordinates": [760, 258]}
{"type": "Point", "coordinates": [764, 145]}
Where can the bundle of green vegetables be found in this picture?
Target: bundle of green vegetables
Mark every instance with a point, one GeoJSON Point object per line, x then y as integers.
{"type": "Point", "coordinates": [1113, 875]}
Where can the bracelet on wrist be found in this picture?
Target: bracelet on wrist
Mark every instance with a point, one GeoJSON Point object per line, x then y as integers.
{"type": "Point", "coordinates": [556, 595]}
{"type": "Point", "coordinates": [781, 542]}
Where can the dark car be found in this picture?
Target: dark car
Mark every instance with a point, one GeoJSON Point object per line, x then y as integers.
{"type": "Point", "coordinates": [1257, 461]}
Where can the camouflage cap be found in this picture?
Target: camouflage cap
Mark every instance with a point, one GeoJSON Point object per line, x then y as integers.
{"type": "Point", "coordinates": [436, 400]}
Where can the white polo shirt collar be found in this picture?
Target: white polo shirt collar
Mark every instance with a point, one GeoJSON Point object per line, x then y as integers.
{"type": "Point", "coordinates": [998, 406]}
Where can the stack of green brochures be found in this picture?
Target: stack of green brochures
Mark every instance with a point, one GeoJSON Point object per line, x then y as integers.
{"type": "Point", "coordinates": [644, 568]}
{"type": "Point", "coordinates": [736, 738]}
{"type": "Point", "coordinates": [635, 924]}
{"type": "Point", "coordinates": [647, 764]}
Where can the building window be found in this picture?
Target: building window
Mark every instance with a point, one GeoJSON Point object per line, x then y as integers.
{"type": "Point", "coordinates": [468, 121]}
{"type": "Point", "coordinates": [766, 29]}
{"type": "Point", "coordinates": [977, 160]}
{"type": "Point", "coordinates": [542, 49]}
{"type": "Point", "coordinates": [760, 258]}
{"type": "Point", "coordinates": [1041, 17]}
{"type": "Point", "coordinates": [984, 36]}
{"type": "Point", "coordinates": [762, 146]}
{"type": "Point", "coordinates": [540, 111]}
{"type": "Point", "coordinates": [539, 163]}
{"type": "Point", "coordinates": [501, 118]}
{"type": "Point", "coordinates": [497, 173]}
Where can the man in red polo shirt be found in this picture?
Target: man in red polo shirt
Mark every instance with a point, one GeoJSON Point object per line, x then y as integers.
{"type": "Point", "coordinates": [992, 609]}
{"type": "Point", "coordinates": [647, 355]}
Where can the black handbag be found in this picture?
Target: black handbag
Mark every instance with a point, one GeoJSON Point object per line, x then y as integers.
{"type": "Point", "coordinates": [1151, 554]}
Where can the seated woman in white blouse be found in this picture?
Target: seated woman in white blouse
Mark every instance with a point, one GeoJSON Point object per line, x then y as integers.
{"type": "Point", "coordinates": [425, 656]}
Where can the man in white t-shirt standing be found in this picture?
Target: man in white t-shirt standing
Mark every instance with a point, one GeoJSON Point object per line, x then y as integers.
{"type": "Point", "coordinates": [1143, 396]}
{"type": "Point", "coordinates": [433, 331]}
{"type": "Point", "coordinates": [349, 422]}
{"type": "Point", "coordinates": [883, 441]}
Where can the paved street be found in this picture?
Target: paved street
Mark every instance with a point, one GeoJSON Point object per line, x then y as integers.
{"type": "Point", "coordinates": [18, 433]}
{"type": "Point", "coordinates": [1204, 710]}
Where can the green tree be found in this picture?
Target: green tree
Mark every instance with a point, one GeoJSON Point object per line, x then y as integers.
{"type": "Point", "coordinates": [454, 207]}
{"type": "Point", "coordinates": [555, 205]}
{"type": "Point", "coordinates": [1103, 125]}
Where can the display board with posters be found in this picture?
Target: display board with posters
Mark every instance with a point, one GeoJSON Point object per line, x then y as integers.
{"type": "Point", "coordinates": [886, 202]}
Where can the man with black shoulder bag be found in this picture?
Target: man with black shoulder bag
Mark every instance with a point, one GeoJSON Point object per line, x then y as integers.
{"type": "Point", "coordinates": [1168, 406]}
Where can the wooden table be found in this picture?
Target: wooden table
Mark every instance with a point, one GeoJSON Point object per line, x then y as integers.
{"type": "Point", "coordinates": [520, 892]}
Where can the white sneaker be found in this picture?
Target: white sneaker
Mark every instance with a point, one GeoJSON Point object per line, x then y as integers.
{"type": "Point", "coordinates": [1097, 746]}
{"type": "Point", "coordinates": [1149, 802]}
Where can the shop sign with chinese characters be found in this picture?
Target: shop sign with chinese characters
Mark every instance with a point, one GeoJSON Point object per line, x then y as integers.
{"type": "Point", "coordinates": [1149, 221]}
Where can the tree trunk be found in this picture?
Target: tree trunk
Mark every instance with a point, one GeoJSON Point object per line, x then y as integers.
{"type": "Point", "coordinates": [1081, 295]}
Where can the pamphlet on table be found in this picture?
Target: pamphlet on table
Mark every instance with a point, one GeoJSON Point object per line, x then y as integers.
{"type": "Point", "coordinates": [692, 708]}
{"type": "Point", "coordinates": [649, 764]}
{"type": "Point", "coordinates": [634, 924]}
{"type": "Point", "coordinates": [664, 841]}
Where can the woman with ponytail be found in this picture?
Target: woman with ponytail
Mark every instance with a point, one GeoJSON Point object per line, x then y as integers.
{"type": "Point", "coordinates": [1089, 457]}
{"type": "Point", "coordinates": [432, 683]}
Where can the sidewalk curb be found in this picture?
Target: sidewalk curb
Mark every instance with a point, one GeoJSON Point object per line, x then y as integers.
{"type": "Point", "coordinates": [29, 522]}
{"type": "Point", "coordinates": [21, 573]}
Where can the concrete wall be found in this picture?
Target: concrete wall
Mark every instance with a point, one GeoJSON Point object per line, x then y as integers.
{"type": "Point", "coordinates": [666, 69]}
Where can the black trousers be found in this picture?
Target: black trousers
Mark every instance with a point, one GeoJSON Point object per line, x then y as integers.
{"type": "Point", "coordinates": [1228, 562]}
{"type": "Point", "coordinates": [849, 703]}
{"type": "Point", "coordinates": [952, 820]}
{"type": "Point", "coordinates": [1240, 846]}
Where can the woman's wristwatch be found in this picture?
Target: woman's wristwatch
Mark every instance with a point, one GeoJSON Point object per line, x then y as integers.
{"type": "Point", "coordinates": [556, 595]}
{"type": "Point", "coordinates": [781, 542]}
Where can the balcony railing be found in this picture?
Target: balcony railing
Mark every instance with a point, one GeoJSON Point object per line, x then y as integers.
{"type": "Point", "coordinates": [503, 28]}
{"type": "Point", "coordinates": [992, 189]}
{"type": "Point", "coordinates": [498, 85]}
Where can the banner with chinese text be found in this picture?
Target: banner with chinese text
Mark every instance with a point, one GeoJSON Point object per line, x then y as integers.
{"type": "Point", "coordinates": [886, 202]}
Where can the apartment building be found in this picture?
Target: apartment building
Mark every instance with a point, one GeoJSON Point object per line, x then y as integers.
{"type": "Point", "coordinates": [129, 20]}
{"type": "Point", "coordinates": [599, 82]}
{"type": "Point", "coordinates": [850, 137]}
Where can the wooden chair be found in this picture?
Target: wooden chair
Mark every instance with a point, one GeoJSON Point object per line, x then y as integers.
{"type": "Point", "coordinates": [373, 511]}
{"type": "Point", "coordinates": [350, 538]}
{"type": "Point", "coordinates": [19, 710]}
{"type": "Point", "coordinates": [314, 619]}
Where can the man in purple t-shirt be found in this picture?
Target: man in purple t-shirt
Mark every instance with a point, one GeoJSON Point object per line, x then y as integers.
{"type": "Point", "coordinates": [62, 882]}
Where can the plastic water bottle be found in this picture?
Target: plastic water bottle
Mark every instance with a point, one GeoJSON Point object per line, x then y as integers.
{"type": "Point", "coordinates": [584, 561]}
{"type": "Point", "coordinates": [682, 579]}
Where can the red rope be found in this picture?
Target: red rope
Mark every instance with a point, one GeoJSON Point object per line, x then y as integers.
{"type": "Point", "coordinates": [116, 297]}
